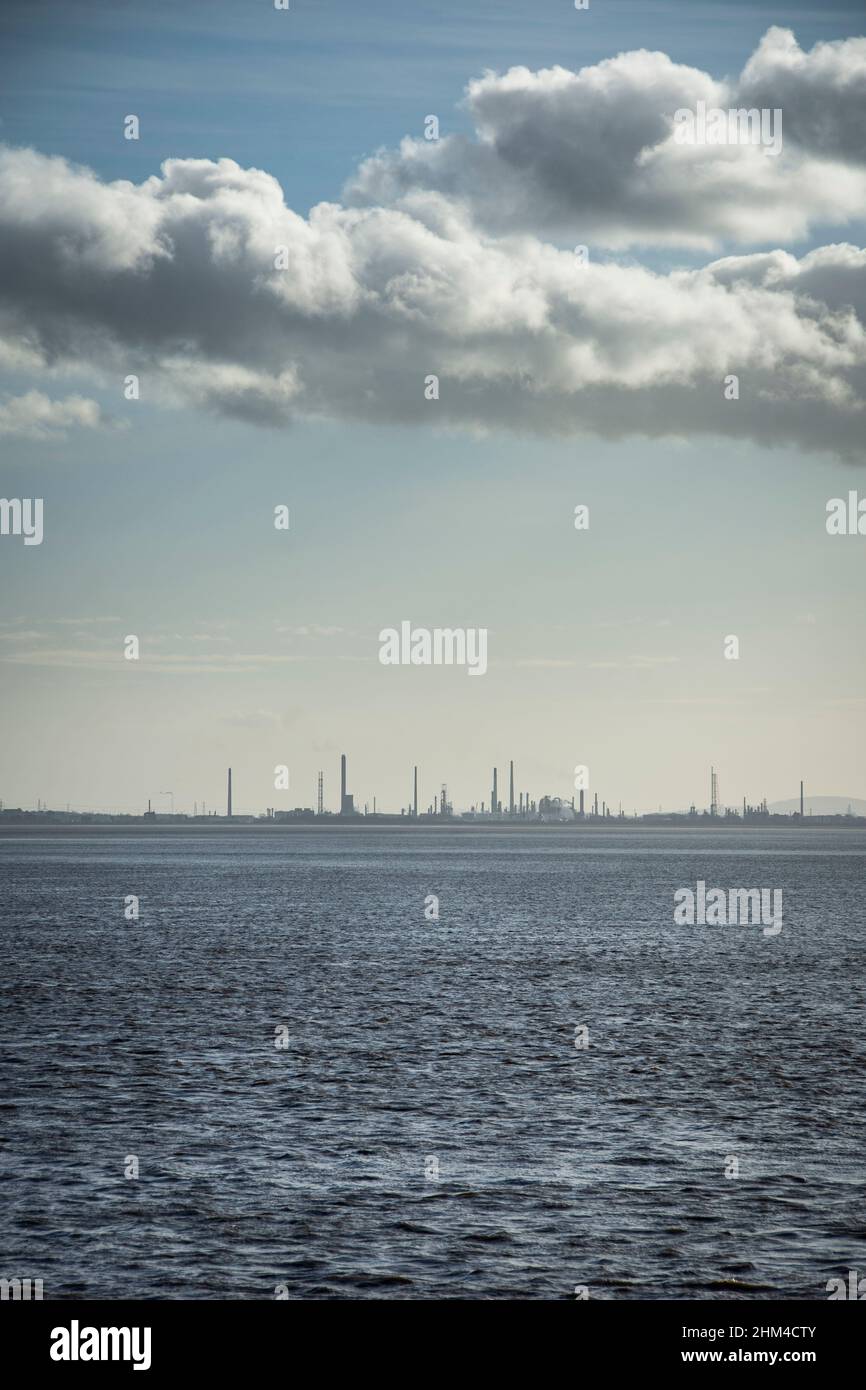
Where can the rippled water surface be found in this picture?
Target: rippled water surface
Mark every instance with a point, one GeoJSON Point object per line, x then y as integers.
{"type": "Point", "coordinates": [419, 1046]}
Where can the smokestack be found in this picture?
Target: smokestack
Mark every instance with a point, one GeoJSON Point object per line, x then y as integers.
{"type": "Point", "coordinates": [581, 805]}
{"type": "Point", "coordinates": [494, 801]}
{"type": "Point", "coordinates": [347, 801]}
{"type": "Point", "coordinates": [229, 798]}
{"type": "Point", "coordinates": [415, 797]}
{"type": "Point", "coordinates": [511, 788]}
{"type": "Point", "coordinates": [801, 800]}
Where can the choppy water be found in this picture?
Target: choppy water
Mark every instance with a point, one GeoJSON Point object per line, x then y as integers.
{"type": "Point", "coordinates": [415, 1043]}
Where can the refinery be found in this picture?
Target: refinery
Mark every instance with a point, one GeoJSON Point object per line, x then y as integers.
{"type": "Point", "coordinates": [516, 809]}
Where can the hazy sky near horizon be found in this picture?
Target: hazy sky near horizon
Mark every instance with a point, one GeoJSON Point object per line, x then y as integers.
{"type": "Point", "coordinates": [260, 647]}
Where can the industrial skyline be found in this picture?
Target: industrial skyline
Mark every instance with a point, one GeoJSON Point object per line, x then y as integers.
{"type": "Point", "coordinates": [520, 808]}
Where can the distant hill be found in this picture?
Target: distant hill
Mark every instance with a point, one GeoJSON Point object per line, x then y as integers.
{"type": "Point", "coordinates": [821, 805]}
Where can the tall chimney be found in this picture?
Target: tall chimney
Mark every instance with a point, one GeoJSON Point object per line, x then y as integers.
{"type": "Point", "coordinates": [342, 784]}
{"type": "Point", "coordinates": [415, 798]}
{"type": "Point", "coordinates": [229, 798]}
{"type": "Point", "coordinates": [581, 805]}
{"type": "Point", "coordinates": [801, 800]}
{"type": "Point", "coordinates": [511, 788]}
{"type": "Point", "coordinates": [495, 801]}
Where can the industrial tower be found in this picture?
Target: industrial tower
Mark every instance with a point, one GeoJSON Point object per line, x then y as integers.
{"type": "Point", "coordinates": [347, 802]}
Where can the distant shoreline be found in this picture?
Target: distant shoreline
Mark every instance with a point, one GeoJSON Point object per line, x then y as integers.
{"type": "Point", "coordinates": [27, 830]}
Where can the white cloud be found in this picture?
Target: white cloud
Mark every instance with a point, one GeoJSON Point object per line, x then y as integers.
{"type": "Point", "coordinates": [36, 416]}
{"type": "Point", "coordinates": [822, 93]}
{"type": "Point", "coordinates": [590, 157]}
{"type": "Point", "coordinates": [176, 279]}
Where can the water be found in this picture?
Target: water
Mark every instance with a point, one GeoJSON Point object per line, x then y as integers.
{"type": "Point", "coordinates": [415, 1045]}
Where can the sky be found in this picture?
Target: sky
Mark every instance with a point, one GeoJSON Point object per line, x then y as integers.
{"type": "Point", "coordinates": [561, 384]}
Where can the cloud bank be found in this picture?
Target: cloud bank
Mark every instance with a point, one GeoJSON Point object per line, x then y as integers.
{"type": "Point", "coordinates": [442, 261]}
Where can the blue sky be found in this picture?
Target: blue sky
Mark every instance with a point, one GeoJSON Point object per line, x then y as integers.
{"type": "Point", "coordinates": [605, 647]}
{"type": "Point", "coordinates": [309, 92]}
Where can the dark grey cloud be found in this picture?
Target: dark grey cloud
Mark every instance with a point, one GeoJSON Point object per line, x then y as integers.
{"type": "Point", "coordinates": [822, 93]}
